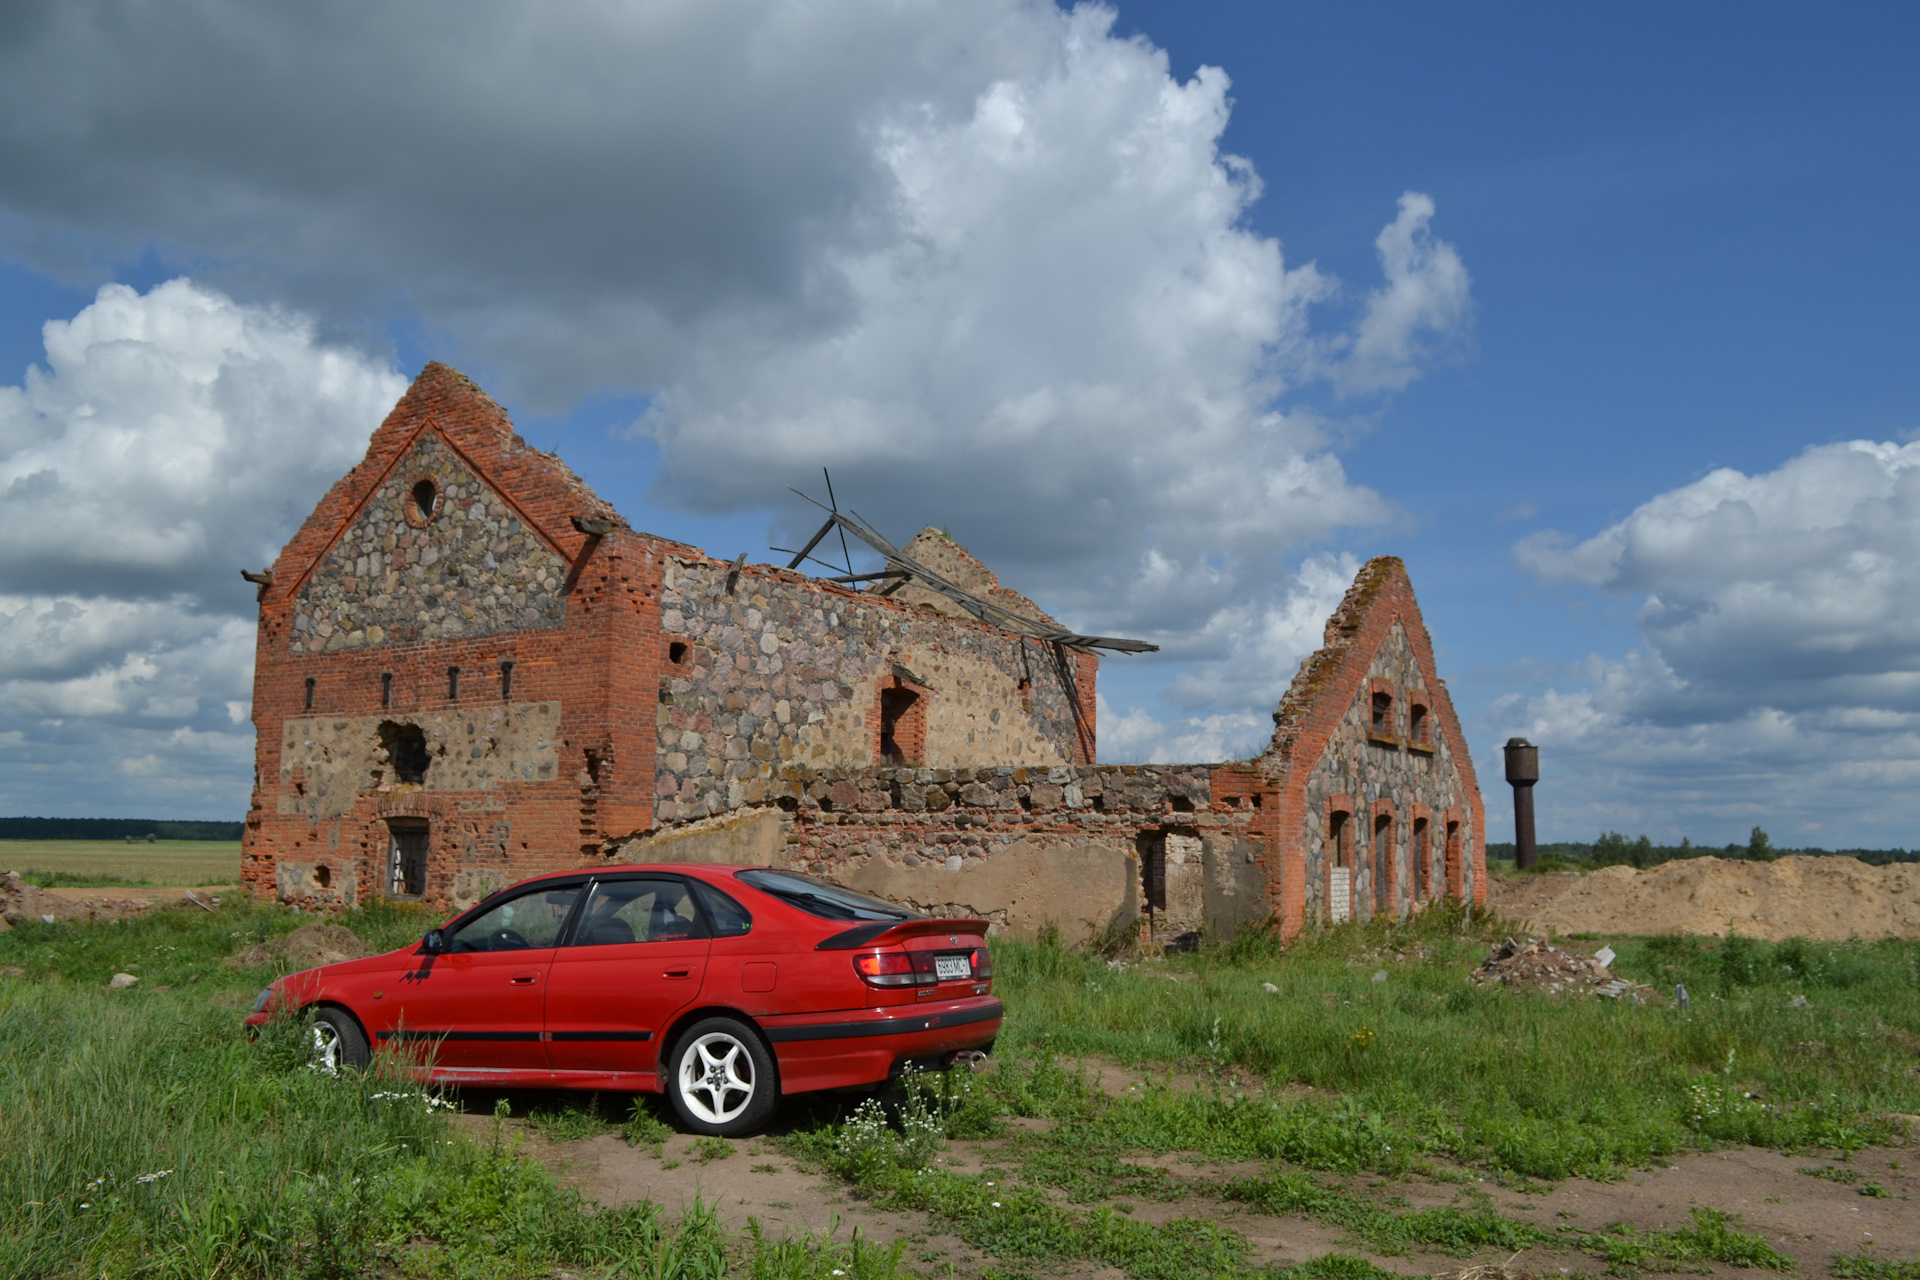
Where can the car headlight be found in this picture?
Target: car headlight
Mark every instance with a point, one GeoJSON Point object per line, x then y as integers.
{"type": "Point", "coordinates": [261, 1001]}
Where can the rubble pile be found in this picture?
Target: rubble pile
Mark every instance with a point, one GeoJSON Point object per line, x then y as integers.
{"type": "Point", "coordinates": [21, 902]}
{"type": "Point", "coordinates": [1541, 966]}
{"type": "Point", "coordinates": [307, 947]}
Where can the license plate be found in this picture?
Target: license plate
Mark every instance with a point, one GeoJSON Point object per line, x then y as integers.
{"type": "Point", "coordinates": [951, 968]}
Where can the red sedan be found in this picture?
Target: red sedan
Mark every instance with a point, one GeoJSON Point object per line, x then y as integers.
{"type": "Point", "coordinates": [721, 986]}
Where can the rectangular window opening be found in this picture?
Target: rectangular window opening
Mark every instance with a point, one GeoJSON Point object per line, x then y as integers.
{"type": "Point", "coordinates": [453, 684]}
{"type": "Point", "coordinates": [1153, 868]}
{"type": "Point", "coordinates": [506, 681]}
{"type": "Point", "coordinates": [407, 858]}
{"type": "Point", "coordinates": [1383, 714]}
{"type": "Point", "coordinates": [386, 689]}
{"type": "Point", "coordinates": [896, 743]}
{"type": "Point", "coordinates": [309, 693]}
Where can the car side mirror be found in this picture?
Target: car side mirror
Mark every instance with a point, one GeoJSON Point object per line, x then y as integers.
{"type": "Point", "coordinates": [434, 943]}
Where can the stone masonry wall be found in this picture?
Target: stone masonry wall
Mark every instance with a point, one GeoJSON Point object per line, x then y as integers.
{"type": "Point", "coordinates": [1024, 847]}
{"type": "Point", "coordinates": [783, 670]}
{"type": "Point", "coordinates": [1375, 770]}
{"type": "Point", "coordinates": [474, 568]}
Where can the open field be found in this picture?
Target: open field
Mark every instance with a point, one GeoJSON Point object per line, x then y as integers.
{"type": "Point", "coordinates": [99, 863]}
{"type": "Point", "coordinates": [1168, 1118]}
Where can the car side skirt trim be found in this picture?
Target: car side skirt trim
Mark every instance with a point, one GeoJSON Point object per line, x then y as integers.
{"type": "Point", "coordinates": [885, 1026]}
{"type": "Point", "coordinates": [459, 1035]}
{"type": "Point", "coordinates": [600, 1035]}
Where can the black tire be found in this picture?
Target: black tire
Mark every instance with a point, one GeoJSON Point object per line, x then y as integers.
{"type": "Point", "coordinates": [712, 1064]}
{"type": "Point", "coordinates": [338, 1041]}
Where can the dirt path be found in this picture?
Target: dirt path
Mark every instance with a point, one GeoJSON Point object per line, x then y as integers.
{"type": "Point", "coordinates": [1811, 1219]}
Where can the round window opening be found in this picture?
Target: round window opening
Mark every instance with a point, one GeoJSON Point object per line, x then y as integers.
{"type": "Point", "coordinates": [426, 500]}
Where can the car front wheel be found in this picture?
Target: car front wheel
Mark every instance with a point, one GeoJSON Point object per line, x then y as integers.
{"type": "Point", "coordinates": [720, 1079]}
{"type": "Point", "coordinates": [337, 1042]}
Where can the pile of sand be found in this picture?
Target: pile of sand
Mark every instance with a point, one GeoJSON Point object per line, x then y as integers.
{"type": "Point", "coordinates": [1827, 898]}
{"type": "Point", "coordinates": [307, 947]}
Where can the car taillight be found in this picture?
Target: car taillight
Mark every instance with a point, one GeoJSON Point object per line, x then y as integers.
{"type": "Point", "coordinates": [893, 969]}
{"type": "Point", "coordinates": [982, 964]}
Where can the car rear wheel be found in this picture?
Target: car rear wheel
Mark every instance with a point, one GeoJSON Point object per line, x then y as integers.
{"type": "Point", "coordinates": [337, 1042]}
{"type": "Point", "coordinates": [720, 1079]}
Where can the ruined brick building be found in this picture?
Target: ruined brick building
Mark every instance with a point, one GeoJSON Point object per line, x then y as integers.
{"type": "Point", "coordinates": [470, 669]}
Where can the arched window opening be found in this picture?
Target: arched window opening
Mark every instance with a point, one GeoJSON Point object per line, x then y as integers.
{"type": "Point", "coordinates": [426, 500]}
{"type": "Point", "coordinates": [1417, 730]}
{"type": "Point", "coordinates": [1383, 862]}
{"type": "Point", "coordinates": [1383, 715]}
{"type": "Point", "coordinates": [1339, 866]}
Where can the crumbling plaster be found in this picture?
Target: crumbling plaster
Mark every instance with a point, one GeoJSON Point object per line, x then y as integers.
{"type": "Point", "coordinates": [326, 760]}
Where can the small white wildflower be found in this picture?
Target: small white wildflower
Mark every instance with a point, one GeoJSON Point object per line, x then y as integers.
{"type": "Point", "coordinates": [837, 1271]}
{"type": "Point", "coordinates": [153, 1177]}
{"type": "Point", "coordinates": [996, 1204]}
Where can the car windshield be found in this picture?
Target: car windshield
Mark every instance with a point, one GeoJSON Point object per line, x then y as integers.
{"type": "Point", "coordinates": [819, 898]}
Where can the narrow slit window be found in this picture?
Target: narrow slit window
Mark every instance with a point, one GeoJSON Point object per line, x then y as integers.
{"type": "Point", "coordinates": [453, 684]}
{"type": "Point", "coordinates": [1383, 862]}
{"type": "Point", "coordinates": [309, 706]}
{"type": "Point", "coordinates": [386, 689]}
{"type": "Point", "coordinates": [506, 681]}
{"type": "Point", "coordinates": [1422, 862]}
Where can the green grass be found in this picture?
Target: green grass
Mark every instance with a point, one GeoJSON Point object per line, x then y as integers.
{"type": "Point", "coordinates": [145, 1135]}
{"type": "Point", "coordinates": [1864, 1266]}
{"type": "Point", "coordinates": [1425, 1063]}
{"type": "Point", "coordinates": [102, 863]}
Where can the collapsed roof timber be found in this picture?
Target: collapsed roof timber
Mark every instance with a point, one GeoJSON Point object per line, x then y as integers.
{"type": "Point", "coordinates": [572, 691]}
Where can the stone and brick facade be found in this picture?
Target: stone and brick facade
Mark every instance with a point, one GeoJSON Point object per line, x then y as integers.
{"type": "Point", "coordinates": [471, 669]}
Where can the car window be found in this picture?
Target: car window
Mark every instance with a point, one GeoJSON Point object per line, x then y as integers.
{"type": "Point", "coordinates": [637, 911]}
{"type": "Point", "coordinates": [729, 918]}
{"type": "Point", "coordinates": [820, 898]}
{"type": "Point", "coordinates": [522, 922]}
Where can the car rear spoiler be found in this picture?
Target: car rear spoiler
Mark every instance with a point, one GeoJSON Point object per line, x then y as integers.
{"type": "Point", "coordinates": [883, 931]}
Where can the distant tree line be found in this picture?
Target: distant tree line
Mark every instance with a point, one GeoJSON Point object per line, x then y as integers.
{"type": "Point", "coordinates": [115, 829]}
{"type": "Point", "coordinates": [1613, 849]}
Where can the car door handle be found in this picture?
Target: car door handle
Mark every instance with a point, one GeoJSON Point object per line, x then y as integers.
{"type": "Point", "coordinates": [526, 978]}
{"type": "Point", "coordinates": [683, 972]}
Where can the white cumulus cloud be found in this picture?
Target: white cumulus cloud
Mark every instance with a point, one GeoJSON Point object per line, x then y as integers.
{"type": "Point", "coordinates": [986, 261]}
{"type": "Point", "coordinates": [1781, 675]}
{"type": "Point", "coordinates": [169, 440]}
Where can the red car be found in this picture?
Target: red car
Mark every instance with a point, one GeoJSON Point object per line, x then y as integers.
{"type": "Point", "coordinates": [722, 986]}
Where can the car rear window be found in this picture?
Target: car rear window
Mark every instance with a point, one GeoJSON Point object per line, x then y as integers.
{"type": "Point", "coordinates": [820, 898]}
{"type": "Point", "coordinates": [730, 919]}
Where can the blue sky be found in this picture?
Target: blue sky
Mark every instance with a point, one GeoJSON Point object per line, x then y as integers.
{"type": "Point", "coordinates": [997, 265]}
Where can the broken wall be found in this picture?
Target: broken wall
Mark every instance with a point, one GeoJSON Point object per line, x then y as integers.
{"type": "Point", "coordinates": [768, 670]}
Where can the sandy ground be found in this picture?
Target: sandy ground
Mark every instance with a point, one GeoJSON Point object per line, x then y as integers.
{"type": "Point", "coordinates": [1832, 899]}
